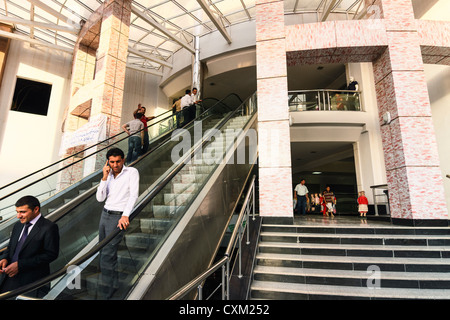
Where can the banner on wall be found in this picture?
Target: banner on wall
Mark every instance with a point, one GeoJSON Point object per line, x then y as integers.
{"type": "Point", "coordinates": [91, 133]}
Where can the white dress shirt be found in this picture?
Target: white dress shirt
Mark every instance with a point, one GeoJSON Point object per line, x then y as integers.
{"type": "Point", "coordinates": [32, 223]}
{"type": "Point", "coordinates": [121, 192]}
{"type": "Point", "coordinates": [186, 101]}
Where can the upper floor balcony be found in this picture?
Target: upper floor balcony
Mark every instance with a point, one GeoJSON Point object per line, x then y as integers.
{"type": "Point", "coordinates": [325, 100]}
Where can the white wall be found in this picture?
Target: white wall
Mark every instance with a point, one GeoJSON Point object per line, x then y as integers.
{"type": "Point", "coordinates": [438, 79]}
{"type": "Point", "coordinates": [29, 142]}
{"type": "Point", "coordinates": [141, 87]}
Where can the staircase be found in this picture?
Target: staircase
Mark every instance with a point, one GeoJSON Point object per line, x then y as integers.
{"type": "Point", "coordinates": [351, 261]}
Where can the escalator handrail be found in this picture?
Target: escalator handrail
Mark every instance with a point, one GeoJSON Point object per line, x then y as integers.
{"type": "Point", "coordinates": [147, 199]}
{"type": "Point", "coordinates": [73, 155]}
{"type": "Point", "coordinates": [102, 142]}
{"type": "Point", "coordinates": [75, 162]}
{"type": "Point", "coordinates": [62, 211]}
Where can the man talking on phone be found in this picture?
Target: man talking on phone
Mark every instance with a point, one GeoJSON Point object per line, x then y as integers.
{"type": "Point", "coordinates": [119, 186]}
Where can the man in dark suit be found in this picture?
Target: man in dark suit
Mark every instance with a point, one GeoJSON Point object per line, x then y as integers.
{"type": "Point", "coordinates": [34, 243]}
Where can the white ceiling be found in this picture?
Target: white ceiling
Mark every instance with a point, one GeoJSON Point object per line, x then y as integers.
{"type": "Point", "coordinates": [172, 21]}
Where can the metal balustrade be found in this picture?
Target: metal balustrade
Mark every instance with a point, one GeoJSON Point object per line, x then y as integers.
{"type": "Point", "coordinates": [325, 100]}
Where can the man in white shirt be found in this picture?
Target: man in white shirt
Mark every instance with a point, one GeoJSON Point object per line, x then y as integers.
{"type": "Point", "coordinates": [135, 130]}
{"type": "Point", "coordinates": [187, 103]}
{"type": "Point", "coordinates": [120, 188]}
{"type": "Point", "coordinates": [301, 194]}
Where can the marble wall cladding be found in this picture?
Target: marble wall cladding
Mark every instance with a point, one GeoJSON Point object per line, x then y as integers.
{"type": "Point", "coordinates": [404, 51]}
{"type": "Point", "coordinates": [335, 42]}
{"type": "Point", "coordinates": [434, 37]}
{"type": "Point", "coordinates": [423, 182]}
{"type": "Point", "coordinates": [412, 103]}
{"type": "Point", "coordinates": [269, 24]}
{"type": "Point", "coordinates": [275, 183]}
{"type": "Point", "coordinates": [274, 144]}
{"type": "Point", "coordinates": [398, 14]}
{"type": "Point", "coordinates": [276, 198]}
{"type": "Point", "coordinates": [271, 59]}
{"type": "Point", "coordinates": [273, 107]}
{"type": "Point", "coordinates": [311, 36]}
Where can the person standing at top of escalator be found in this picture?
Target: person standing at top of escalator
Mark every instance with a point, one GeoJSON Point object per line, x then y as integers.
{"type": "Point", "coordinates": [186, 105]}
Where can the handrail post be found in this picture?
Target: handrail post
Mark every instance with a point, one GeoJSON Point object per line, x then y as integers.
{"type": "Point", "coordinates": [240, 250]}
{"type": "Point", "coordinates": [228, 279]}
{"type": "Point", "coordinates": [200, 292]}
{"type": "Point", "coordinates": [254, 199]}
{"type": "Point", "coordinates": [223, 282]}
{"type": "Point", "coordinates": [247, 222]}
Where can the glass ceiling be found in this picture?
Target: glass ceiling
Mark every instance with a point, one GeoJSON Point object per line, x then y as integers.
{"type": "Point", "coordinates": [183, 19]}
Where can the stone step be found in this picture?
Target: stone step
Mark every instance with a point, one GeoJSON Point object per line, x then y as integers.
{"type": "Point", "coordinates": [362, 239]}
{"type": "Point", "coordinates": [337, 229]}
{"type": "Point", "coordinates": [355, 250]}
{"type": "Point", "coordinates": [416, 280]}
{"type": "Point", "coordinates": [354, 263]}
{"type": "Point", "coordinates": [300, 291]}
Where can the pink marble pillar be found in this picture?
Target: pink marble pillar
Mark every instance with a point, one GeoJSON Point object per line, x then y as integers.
{"type": "Point", "coordinates": [275, 176]}
{"type": "Point", "coordinates": [111, 62]}
{"type": "Point", "coordinates": [410, 147]}
{"type": "Point", "coordinates": [99, 62]}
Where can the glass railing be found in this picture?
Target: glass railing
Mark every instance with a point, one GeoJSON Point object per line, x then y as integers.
{"type": "Point", "coordinates": [67, 172]}
{"type": "Point", "coordinates": [325, 100]}
{"type": "Point", "coordinates": [57, 185]}
{"type": "Point", "coordinates": [72, 177]}
{"type": "Point", "coordinates": [79, 228]}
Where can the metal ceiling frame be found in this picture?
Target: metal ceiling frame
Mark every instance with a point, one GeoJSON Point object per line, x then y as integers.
{"type": "Point", "coordinates": [166, 28]}
{"type": "Point", "coordinates": [217, 21]}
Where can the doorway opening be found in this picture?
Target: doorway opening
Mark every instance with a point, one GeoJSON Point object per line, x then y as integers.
{"type": "Point", "coordinates": [324, 164]}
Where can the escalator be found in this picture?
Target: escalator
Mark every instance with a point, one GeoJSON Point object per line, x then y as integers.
{"type": "Point", "coordinates": [187, 195]}
{"type": "Point", "coordinates": [60, 186]}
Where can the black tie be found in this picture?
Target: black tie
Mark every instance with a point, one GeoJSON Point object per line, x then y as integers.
{"type": "Point", "coordinates": [21, 241]}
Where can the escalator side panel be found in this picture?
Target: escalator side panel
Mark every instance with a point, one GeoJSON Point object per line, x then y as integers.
{"type": "Point", "coordinates": [197, 244]}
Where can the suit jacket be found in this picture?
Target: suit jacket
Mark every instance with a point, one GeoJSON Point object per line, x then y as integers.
{"type": "Point", "coordinates": [40, 248]}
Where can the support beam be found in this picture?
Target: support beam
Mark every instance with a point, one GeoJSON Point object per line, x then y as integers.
{"type": "Point", "coordinates": [150, 71]}
{"type": "Point", "coordinates": [53, 12]}
{"type": "Point", "coordinates": [217, 22]}
{"type": "Point", "coordinates": [327, 10]}
{"type": "Point", "coordinates": [161, 28]}
{"type": "Point", "coordinates": [149, 57]}
{"type": "Point", "coordinates": [15, 36]}
{"type": "Point", "coordinates": [41, 25]}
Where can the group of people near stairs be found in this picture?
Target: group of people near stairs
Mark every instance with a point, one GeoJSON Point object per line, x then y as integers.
{"type": "Point", "coordinates": [324, 202]}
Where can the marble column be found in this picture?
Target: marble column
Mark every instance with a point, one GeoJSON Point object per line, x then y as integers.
{"type": "Point", "coordinates": [412, 163]}
{"type": "Point", "coordinates": [275, 173]}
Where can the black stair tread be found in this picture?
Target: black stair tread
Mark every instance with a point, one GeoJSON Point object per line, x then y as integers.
{"type": "Point", "coordinates": [340, 227]}
{"type": "Point", "coordinates": [351, 273]}
{"type": "Point", "coordinates": [348, 291]}
{"type": "Point", "coordinates": [352, 235]}
{"type": "Point", "coordinates": [355, 259]}
{"type": "Point", "coordinates": [348, 225]}
{"type": "Point", "coordinates": [303, 245]}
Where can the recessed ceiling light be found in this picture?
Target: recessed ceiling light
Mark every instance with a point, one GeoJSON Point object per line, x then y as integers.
{"type": "Point", "coordinates": [317, 172]}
